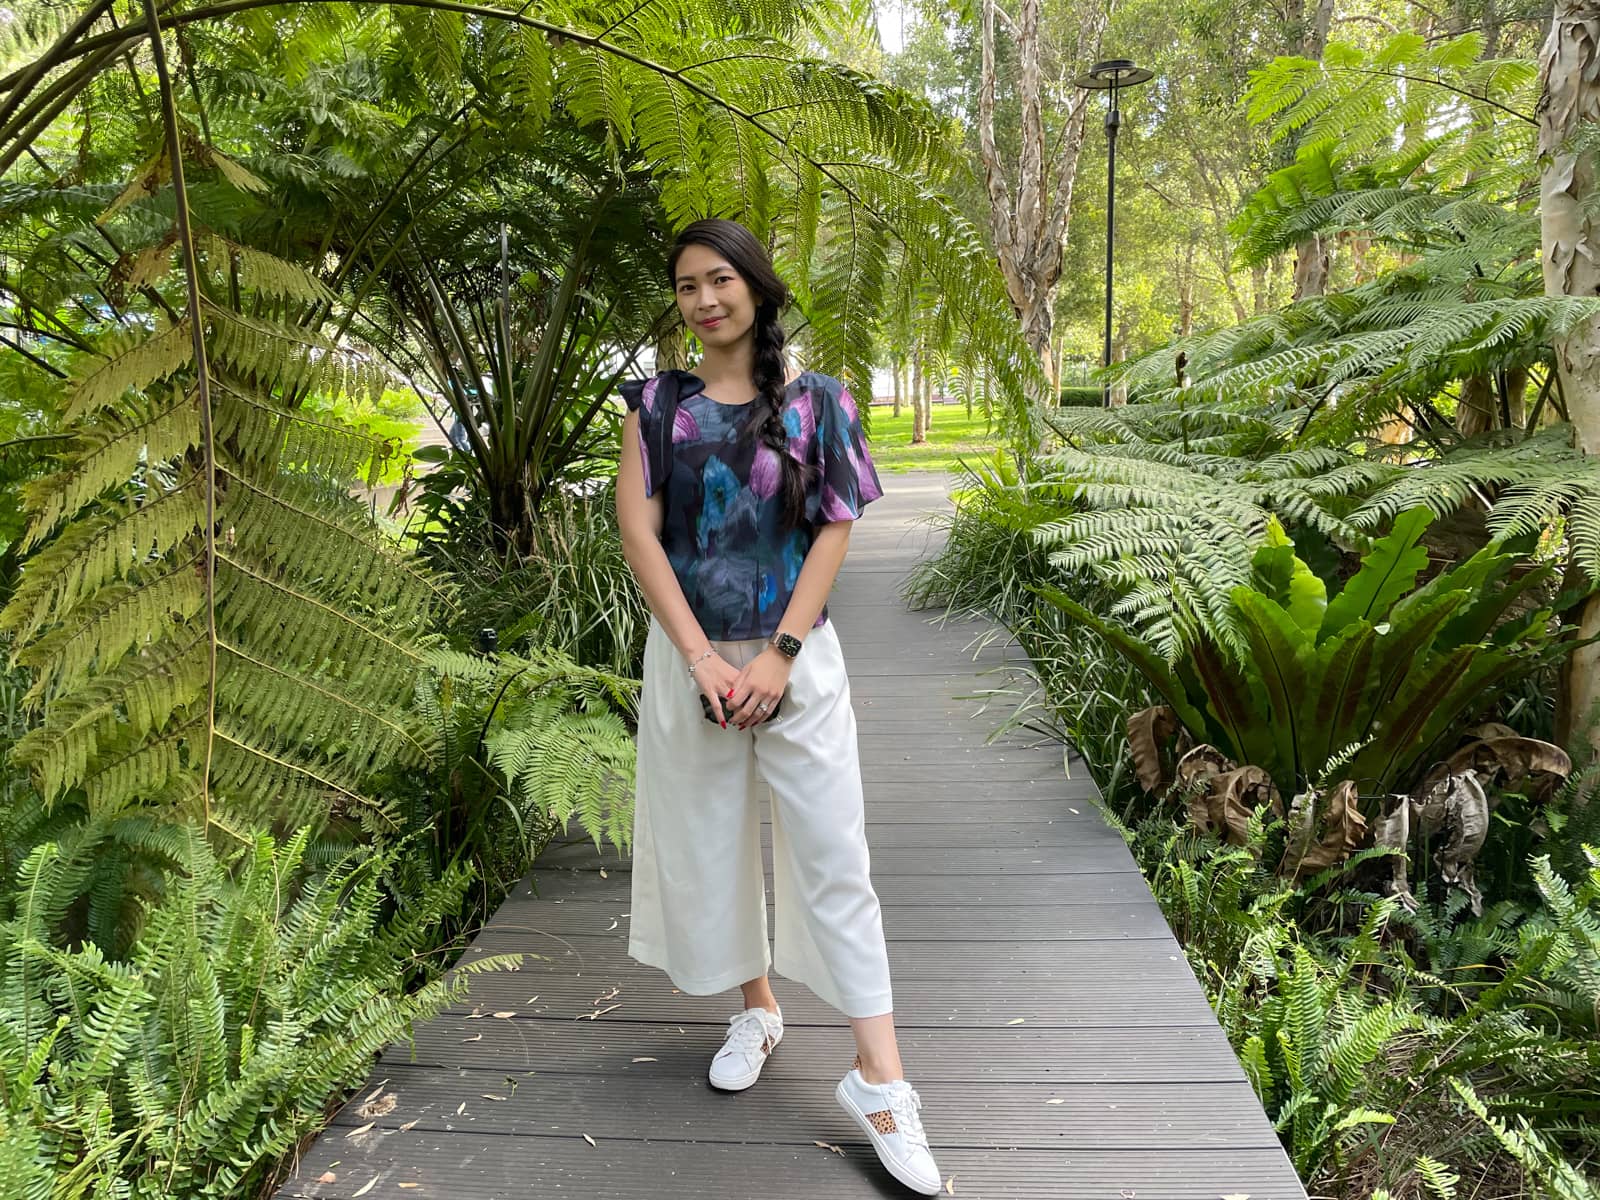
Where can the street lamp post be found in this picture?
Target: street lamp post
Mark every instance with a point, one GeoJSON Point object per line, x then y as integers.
{"type": "Point", "coordinates": [1111, 77]}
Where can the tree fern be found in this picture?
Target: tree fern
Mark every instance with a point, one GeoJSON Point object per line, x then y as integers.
{"type": "Point", "coordinates": [308, 633]}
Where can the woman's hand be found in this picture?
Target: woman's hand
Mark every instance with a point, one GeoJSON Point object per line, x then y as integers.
{"type": "Point", "coordinates": [716, 677]}
{"type": "Point", "coordinates": [763, 679]}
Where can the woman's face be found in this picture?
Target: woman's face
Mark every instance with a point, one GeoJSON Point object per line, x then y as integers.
{"type": "Point", "coordinates": [716, 303]}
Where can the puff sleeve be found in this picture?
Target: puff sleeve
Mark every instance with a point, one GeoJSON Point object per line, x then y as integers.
{"type": "Point", "coordinates": [643, 397]}
{"type": "Point", "coordinates": [848, 480]}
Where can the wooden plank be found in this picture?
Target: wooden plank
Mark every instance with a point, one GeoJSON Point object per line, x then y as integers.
{"type": "Point", "coordinates": [1148, 999]}
{"type": "Point", "coordinates": [944, 1054]}
{"type": "Point", "coordinates": [558, 887]}
{"type": "Point", "coordinates": [903, 923]}
{"type": "Point", "coordinates": [1110, 855]}
{"type": "Point", "coordinates": [1133, 962]}
{"type": "Point", "coordinates": [674, 1101]}
{"type": "Point", "coordinates": [485, 1166]}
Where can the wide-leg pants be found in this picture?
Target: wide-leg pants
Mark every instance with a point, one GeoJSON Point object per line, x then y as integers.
{"type": "Point", "coordinates": [699, 899]}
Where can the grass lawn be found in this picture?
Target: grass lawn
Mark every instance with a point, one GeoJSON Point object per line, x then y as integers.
{"type": "Point", "coordinates": [952, 433]}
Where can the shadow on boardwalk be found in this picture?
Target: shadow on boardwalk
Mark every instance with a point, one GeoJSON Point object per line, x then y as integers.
{"type": "Point", "coordinates": [1047, 1017]}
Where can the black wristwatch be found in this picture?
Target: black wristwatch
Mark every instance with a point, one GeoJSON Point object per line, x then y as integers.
{"type": "Point", "coordinates": [788, 645]}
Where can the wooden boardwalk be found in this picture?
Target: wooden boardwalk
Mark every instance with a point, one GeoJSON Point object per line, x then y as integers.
{"type": "Point", "coordinates": [1061, 1045]}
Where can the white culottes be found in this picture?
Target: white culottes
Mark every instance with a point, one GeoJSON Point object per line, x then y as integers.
{"type": "Point", "coordinates": [699, 899]}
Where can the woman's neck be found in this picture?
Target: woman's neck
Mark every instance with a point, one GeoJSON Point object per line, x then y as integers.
{"type": "Point", "coordinates": [729, 364]}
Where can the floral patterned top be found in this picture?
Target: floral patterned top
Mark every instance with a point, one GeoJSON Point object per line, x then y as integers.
{"type": "Point", "coordinates": [723, 522]}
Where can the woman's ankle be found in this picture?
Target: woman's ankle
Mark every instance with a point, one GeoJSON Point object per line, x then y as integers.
{"type": "Point", "coordinates": [758, 994]}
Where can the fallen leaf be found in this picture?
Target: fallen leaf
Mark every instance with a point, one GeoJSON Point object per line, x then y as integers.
{"type": "Point", "coordinates": [1074, 812]}
{"type": "Point", "coordinates": [1236, 1196]}
{"type": "Point", "coordinates": [1058, 1101]}
{"type": "Point", "coordinates": [613, 925]}
{"type": "Point", "coordinates": [646, 1060]}
{"type": "Point", "coordinates": [359, 1132]}
{"type": "Point", "coordinates": [365, 1188]}
{"type": "Point", "coordinates": [1016, 1020]}
{"type": "Point", "coordinates": [503, 1016]}
{"type": "Point", "coordinates": [603, 873]}
{"type": "Point", "coordinates": [477, 1037]}
{"type": "Point", "coordinates": [599, 1012]}
{"type": "Point", "coordinates": [588, 1139]}
{"type": "Point", "coordinates": [475, 1015]}
{"type": "Point", "coordinates": [829, 1146]}
{"type": "Point", "coordinates": [950, 1186]}
{"type": "Point", "coordinates": [409, 1185]}
{"type": "Point", "coordinates": [376, 1092]}
{"type": "Point", "coordinates": [327, 1177]}
{"type": "Point", "coordinates": [462, 1108]}
{"type": "Point", "coordinates": [409, 1125]}
{"type": "Point", "coordinates": [376, 1105]}
{"type": "Point", "coordinates": [611, 995]}
{"type": "Point", "coordinates": [1126, 1194]}
{"type": "Point", "coordinates": [531, 999]}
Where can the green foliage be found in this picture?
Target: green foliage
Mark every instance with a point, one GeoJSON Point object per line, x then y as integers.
{"type": "Point", "coordinates": [574, 593]}
{"type": "Point", "coordinates": [1385, 664]}
{"type": "Point", "coordinates": [1169, 503]}
{"type": "Point", "coordinates": [190, 1067]}
{"type": "Point", "coordinates": [308, 628]}
{"type": "Point", "coordinates": [1358, 1038]}
{"type": "Point", "coordinates": [524, 745]}
{"type": "Point", "coordinates": [1081, 397]}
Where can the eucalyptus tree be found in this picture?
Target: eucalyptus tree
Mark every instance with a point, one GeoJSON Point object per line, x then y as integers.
{"type": "Point", "coordinates": [1569, 115]}
{"type": "Point", "coordinates": [1030, 200]}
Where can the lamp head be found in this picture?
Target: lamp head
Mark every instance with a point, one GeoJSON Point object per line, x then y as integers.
{"type": "Point", "coordinates": [1114, 73]}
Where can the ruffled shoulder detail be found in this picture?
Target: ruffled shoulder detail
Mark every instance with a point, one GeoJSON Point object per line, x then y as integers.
{"type": "Point", "coordinates": [656, 401]}
{"type": "Point", "coordinates": [644, 395]}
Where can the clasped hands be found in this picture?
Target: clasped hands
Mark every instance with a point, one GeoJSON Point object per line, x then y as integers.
{"type": "Point", "coordinates": [761, 681]}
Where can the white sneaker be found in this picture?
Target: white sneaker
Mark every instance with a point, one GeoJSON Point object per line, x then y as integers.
{"type": "Point", "coordinates": [888, 1114]}
{"type": "Point", "coordinates": [755, 1034]}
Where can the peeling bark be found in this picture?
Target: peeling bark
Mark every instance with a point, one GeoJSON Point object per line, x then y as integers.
{"type": "Point", "coordinates": [1569, 74]}
{"type": "Point", "coordinates": [1029, 221]}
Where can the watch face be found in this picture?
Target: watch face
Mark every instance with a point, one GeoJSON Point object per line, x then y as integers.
{"type": "Point", "coordinates": [788, 644]}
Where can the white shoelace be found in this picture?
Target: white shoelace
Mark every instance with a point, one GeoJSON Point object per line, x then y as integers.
{"type": "Point", "coordinates": [751, 1028]}
{"type": "Point", "coordinates": [905, 1104]}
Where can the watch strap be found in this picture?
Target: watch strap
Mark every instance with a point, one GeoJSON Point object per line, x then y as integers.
{"type": "Point", "coordinates": [786, 643]}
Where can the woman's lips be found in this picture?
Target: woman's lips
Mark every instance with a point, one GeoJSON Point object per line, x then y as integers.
{"type": "Point", "coordinates": [711, 324]}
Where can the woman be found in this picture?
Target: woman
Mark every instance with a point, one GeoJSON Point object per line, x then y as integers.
{"type": "Point", "coordinates": [735, 494]}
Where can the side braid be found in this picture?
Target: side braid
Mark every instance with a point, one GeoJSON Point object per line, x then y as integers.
{"type": "Point", "coordinates": [769, 339]}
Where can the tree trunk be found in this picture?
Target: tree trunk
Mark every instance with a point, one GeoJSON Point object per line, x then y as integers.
{"type": "Point", "coordinates": [1258, 289]}
{"type": "Point", "coordinates": [929, 384]}
{"type": "Point", "coordinates": [1477, 410]}
{"type": "Point", "coordinates": [919, 418]}
{"type": "Point", "coordinates": [1030, 227]}
{"type": "Point", "coordinates": [1569, 72]}
{"type": "Point", "coordinates": [895, 368]}
{"type": "Point", "coordinates": [1308, 35]}
{"type": "Point", "coordinates": [1119, 354]}
{"type": "Point", "coordinates": [672, 351]}
{"type": "Point", "coordinates": [1185, 272]}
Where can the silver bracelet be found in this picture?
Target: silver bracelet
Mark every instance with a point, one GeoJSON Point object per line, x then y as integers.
{"type": "Point", "coordinates": [709, 652]}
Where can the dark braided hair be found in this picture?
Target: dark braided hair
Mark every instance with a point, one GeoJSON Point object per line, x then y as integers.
{"type": "Point", "coordinates": [749, 259]}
